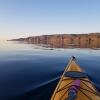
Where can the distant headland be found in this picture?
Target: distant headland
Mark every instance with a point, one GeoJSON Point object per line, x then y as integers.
{"type": "Point", "coordinates": [90, 40]}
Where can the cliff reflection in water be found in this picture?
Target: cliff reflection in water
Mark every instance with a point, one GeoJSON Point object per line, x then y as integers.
{"type": "Point", "coordinates": [91, 40]}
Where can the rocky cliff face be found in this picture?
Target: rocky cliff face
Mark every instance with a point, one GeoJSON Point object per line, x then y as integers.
{"type": "Point", "coordinates": [91, 40]}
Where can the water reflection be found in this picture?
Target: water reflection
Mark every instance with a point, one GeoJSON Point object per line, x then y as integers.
{"type": "Point", "coordinates": [31, 72]}
{"type": "Point", "coordinates": [64, 45]}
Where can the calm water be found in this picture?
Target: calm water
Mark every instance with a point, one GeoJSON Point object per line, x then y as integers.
{"type": "Point", "coordinates": [30, 72]}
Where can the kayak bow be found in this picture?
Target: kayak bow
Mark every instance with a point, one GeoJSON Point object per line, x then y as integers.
{"type": "Point", "coordinates": [75, 85]}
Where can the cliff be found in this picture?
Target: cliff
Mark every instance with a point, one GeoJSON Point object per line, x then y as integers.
{"type": "Point", "coordinates": [91, 40]}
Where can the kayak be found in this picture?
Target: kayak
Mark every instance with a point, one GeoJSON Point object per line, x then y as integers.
{"type": "Point", "coordinates": [75, 85]}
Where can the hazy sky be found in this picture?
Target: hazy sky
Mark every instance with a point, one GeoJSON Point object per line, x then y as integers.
{"type": "Point", "coordinates": [20, 18]}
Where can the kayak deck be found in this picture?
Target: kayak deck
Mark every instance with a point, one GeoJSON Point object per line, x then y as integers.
{"type": "Point", "coordinates": [72, 73]}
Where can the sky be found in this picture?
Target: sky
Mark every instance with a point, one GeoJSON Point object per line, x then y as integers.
{"type": "Point", "coordinates": [22, 18]}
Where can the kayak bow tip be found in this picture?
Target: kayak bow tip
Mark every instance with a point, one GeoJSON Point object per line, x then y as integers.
{"type": "Point", "coordinates": [73, 58]}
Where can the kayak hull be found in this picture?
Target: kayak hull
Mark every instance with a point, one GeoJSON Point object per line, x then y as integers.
{"type": "Point", "coordinates": [72, 72]}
